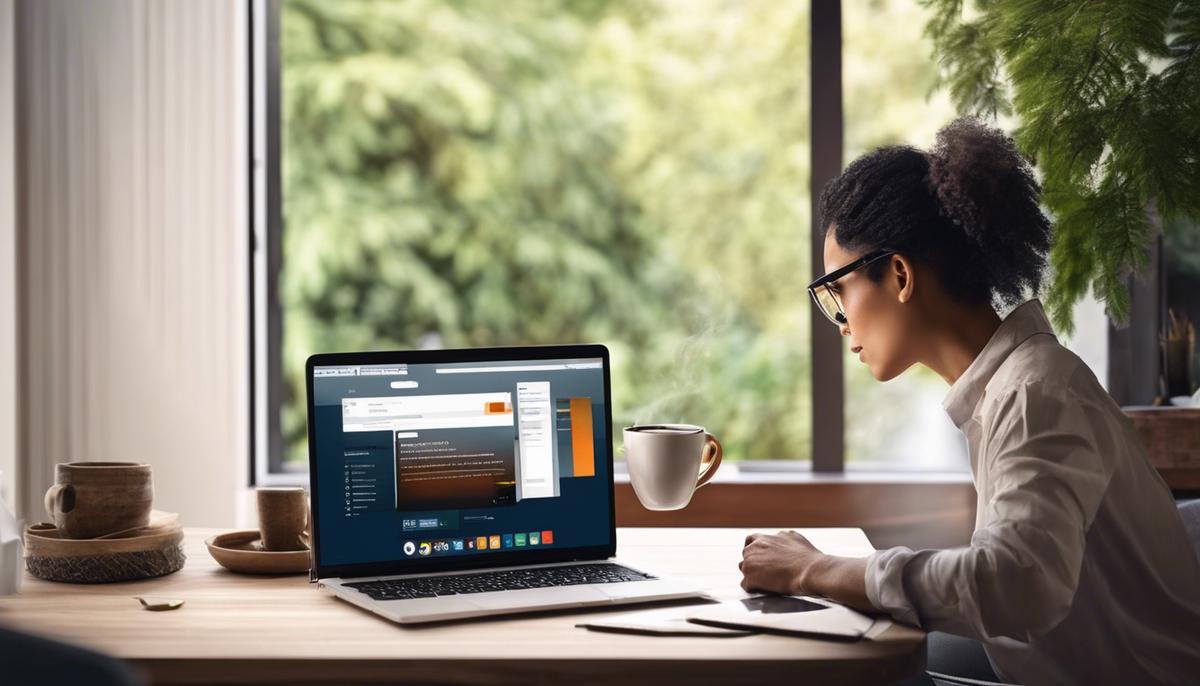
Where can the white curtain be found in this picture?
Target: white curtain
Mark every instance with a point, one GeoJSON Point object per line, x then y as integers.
{"type": "Point", "coordinates": [132, 246]}
{"type": "Point", "coordinates": [8, 257]}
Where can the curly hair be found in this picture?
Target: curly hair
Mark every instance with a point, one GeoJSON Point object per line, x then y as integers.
{"type": "Point", "coordinates": [968, 208]}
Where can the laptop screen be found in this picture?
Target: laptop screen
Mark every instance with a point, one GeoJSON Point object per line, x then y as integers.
{"type": "Point", "coordinates": [462, 463]}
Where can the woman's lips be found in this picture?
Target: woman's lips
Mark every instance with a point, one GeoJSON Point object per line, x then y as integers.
{"type": "Point", "coordinates": [856, 349]}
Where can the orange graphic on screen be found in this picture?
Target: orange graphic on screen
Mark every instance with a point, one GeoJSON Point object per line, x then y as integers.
{"type": "Point", "coordinates": [481, 543]}
{"type": "Point", "coordinates": [582, 451]}
{"type": "Point", "coordinates": [497, 408]}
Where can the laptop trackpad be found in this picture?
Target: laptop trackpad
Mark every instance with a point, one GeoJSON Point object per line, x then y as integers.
{"type": "Point", "coordinates": [539, 597]}
{"type": "Point", "coordinates": [639, 589]}
{"type": "Point", "coordinates": [423, 606]}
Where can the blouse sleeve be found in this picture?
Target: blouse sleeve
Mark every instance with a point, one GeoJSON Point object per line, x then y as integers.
{"type": "Point", "coordinates": [1049, 461]}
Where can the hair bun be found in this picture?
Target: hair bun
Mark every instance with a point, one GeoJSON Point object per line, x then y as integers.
{"type": "Point", "coordinates": [968, 165]}
{"type": "Point", "coordinates": [987, 188]}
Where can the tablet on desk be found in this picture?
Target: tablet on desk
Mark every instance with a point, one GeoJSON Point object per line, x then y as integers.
{"type": "Point", "coordinates": [800, 616]}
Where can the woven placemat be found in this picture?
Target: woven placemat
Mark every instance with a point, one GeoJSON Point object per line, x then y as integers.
{"type": "Point", "coordinates": [100, 569]}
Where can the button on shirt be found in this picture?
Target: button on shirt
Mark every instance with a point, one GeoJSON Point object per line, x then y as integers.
{"type": "Point", "coordinates": [1079, 569]}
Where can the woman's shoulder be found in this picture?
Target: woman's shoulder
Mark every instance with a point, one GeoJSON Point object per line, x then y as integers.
{"type": "Point", "coordinates": [1043, 390]}
{"type": "Point", "coordinates": [1043, 367]}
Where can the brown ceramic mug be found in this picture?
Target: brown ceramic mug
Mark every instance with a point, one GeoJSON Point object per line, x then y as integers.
{"type": "Point", "coordinates": [96, 498]}
{"type": "Point", "coordinates": [282, 517]}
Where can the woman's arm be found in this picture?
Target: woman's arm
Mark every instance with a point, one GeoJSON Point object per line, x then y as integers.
{"type": "Point", "coordinates": [787, 563]}
{"type": "Point", "coordinates": [1049, 461]}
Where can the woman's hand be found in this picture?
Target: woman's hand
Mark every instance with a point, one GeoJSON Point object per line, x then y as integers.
{"type": "Point", "coordinates": [777, 563]}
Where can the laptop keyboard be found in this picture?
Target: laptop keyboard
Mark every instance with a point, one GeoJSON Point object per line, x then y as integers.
{"type": "Point", "coordinates": [505, 580]}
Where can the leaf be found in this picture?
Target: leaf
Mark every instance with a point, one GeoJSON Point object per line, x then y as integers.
{"type": "Point", "coordinates": [159, 603]}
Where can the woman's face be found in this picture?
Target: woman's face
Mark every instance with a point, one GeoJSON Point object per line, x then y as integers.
{"type": "Point", "coordinates": [882, 330]}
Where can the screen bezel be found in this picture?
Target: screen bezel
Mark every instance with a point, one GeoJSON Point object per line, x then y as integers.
{"type": "Point", "coordinates": [459, 562]}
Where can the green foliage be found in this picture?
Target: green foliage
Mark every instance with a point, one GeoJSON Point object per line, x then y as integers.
{"type": "Point", "coordinates": [632, 172]}
{"type": "Point", "coordinates": [1107, 98]}
{"type": "Point", "coordinates": [475, 173]}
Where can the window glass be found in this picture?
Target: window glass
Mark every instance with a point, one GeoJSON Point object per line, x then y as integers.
{"type": "Point", "coordinates": [487, 173]}
{"type": "Point", "coordinates": [889, 78]}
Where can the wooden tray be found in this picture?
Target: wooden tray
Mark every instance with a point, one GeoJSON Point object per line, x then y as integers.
{"type": "Point", "coordinates": [154, 550]}
{"type": "Point", "coordinates": [241, 551]}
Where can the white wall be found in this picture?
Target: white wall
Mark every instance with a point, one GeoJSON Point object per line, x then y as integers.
{"type": "Point", "coordinates": [8, 263]}
{"type": "Point", "coordinates": [1090, 338]}
{"type": "Point", "coordinates": [132, 245]}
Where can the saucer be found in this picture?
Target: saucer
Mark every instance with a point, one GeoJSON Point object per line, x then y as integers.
{"type": "Point", "coordinates": [241, 551]}
{"type": "Point", "coordinates": [150, 551]}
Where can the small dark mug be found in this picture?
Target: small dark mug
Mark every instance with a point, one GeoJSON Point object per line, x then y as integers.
{"type": "Point", "coordinates": [282, 517]}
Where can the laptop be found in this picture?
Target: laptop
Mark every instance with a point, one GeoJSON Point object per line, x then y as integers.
{"type": "Point", "coordinates": [452, 484]}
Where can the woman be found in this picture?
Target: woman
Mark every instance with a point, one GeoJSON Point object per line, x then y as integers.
{"type": "Point", "coordinates": [1079, 570]}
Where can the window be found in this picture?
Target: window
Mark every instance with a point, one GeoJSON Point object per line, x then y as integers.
{"type": "Point", "coordinates": [481, 173]}
{"type": "Point", "coordinates": [637, 174]}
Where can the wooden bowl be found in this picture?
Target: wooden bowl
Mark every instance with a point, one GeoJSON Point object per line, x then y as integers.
{"type": "Point", "coordinates": [242, 552]}
{"type": "Point", "coordinates": [142, 554]}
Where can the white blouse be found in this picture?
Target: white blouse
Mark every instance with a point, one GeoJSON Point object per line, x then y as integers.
{"type": "Point", "coordinates": [1079, 570]}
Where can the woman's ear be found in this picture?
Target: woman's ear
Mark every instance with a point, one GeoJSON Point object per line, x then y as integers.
{"type": "Point", "coordinates": [902, 272]}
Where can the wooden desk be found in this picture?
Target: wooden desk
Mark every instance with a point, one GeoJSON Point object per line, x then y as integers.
{"type": "Point", "coordinates": [237, 628]}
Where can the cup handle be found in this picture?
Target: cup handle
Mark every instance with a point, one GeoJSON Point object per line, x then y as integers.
{"type": "Point", "coordinates": [55, 497]}
{"type": "Point", "coordinates": [306, 534]}
{"type": "Point", "coordinates": [710, 460]}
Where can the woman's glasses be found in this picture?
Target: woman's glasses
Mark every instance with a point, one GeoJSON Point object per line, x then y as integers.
{"type": "Point", "coordinates": [827, 299]}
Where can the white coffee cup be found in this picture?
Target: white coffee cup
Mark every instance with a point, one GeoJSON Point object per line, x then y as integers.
{"type": "Point", "coordinates": [668, 462]}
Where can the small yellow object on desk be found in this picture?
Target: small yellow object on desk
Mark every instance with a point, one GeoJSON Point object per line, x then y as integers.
{"type": "Point", "coordinates": [158, 603]}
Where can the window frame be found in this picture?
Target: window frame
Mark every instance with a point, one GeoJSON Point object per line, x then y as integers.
{"type": "Point", "coordinates": [266, 464]}
{"type": "Point", "coordinates": [826, 147]}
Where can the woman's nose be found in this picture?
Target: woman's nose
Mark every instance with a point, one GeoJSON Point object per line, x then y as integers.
{"type": "Point", "coordinates": [845, 329]}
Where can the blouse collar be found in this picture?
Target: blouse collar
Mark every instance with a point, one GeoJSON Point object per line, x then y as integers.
{"type": "Point", "coordinates": [1026, 321]}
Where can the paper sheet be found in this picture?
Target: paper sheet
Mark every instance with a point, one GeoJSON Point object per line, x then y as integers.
{"type": "Point", "coordinates": [670, 621]}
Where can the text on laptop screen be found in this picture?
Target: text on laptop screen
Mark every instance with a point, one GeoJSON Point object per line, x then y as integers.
{"type": "Point", "coordinates": [424, 461]}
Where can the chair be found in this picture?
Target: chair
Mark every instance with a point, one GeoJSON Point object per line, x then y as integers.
{"type": "Point", "coordinates": [30, 660]}
{"type": "Point", "coordinates": [957, 661]}
{"type": "Point", "coordinates": [1189, 512]}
